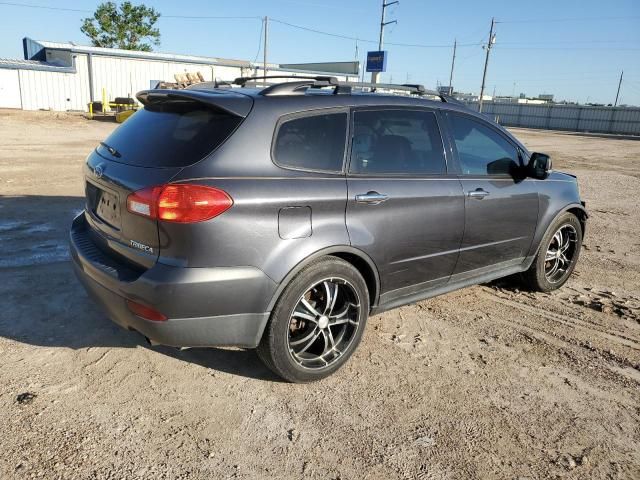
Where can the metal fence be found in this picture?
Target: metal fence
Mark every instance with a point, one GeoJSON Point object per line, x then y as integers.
{"type": "Point", "coordinates": [575, 118]}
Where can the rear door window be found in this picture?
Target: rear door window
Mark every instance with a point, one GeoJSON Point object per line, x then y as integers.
{"type": "Point", "coordinates": [397, 142]}
{"type": "Point", "coordinates": [312, 142]}
{"type": "Point", "coordinates": [169, 134]}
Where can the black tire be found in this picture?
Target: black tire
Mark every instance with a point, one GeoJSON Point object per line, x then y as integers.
{"type": "Point", "coordinates": [537, 276]}
{"type": "Point", "coordinates": [344, 284]}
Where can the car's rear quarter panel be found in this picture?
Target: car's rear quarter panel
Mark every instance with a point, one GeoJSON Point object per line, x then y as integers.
{"type": "Point", "coordinates": [248, 233]}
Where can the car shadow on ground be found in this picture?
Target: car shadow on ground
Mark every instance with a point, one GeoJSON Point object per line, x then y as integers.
{"type": "Point", "coordinates": [513, 283]}
{"type": "Point", "coordinates": [43, 304]}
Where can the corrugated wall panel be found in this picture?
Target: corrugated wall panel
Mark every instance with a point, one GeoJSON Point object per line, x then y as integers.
{"type": "Point", "coordinates": [596, 113]}
{"type": "Point", "coordinates": [10, 89]}
{"type": "Point", "coordinates": [82, 86]}
{"type": "Point", "coordinates": [509, 109]}
{"type": "Point", "coordinates": [54, 90]}
{"type": "Point", "coordinates": [118, 76]}
{"type": "Point", "coordinates": [122, 77]}
{"type": "Point", "coordinates": [227, 73]}
{"type": "Point", "coordinates": [620, 120]}
{"type": "Point", "coordinates": [43, 90]}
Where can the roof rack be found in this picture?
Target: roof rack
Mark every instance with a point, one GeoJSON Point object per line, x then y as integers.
{"type": "Point", "coordinates": [291, 88]}
{"type": "Point", "coordinates": [242, 81]}
{"type": "Point", "coordinates": [303, 83]}
{"type": "Point", "coordinates": [411, 88]}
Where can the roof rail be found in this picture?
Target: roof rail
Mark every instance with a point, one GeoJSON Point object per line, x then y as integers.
{"type": "Point", "coordinates": [242, 81]}
{"type": "Point", "coordinates": [413, 88]}
{"type": "Point", "coordinates": [297, 88]}
{"type": "Point", "coordinates": [341, 88]}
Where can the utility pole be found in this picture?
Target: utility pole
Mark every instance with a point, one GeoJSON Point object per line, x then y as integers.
{"type": "Point", "coordinates": [619, 85]}
{"type": "Point", "coordinates": [374, 75]}
{"type": "Point", "coordinates": [453, 62]}
{"type": "Point", "coordinates": [491, 41]}
{"type": "Point", "coordinates": [266, 38]}
{"type": "Point", "coordinates": [355, 58]}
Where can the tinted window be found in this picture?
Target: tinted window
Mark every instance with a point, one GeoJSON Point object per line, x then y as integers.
{"type": "Point", "coordinates": [482, 151]}
{"type": "Point", "coordinates": [396, 141]}
{"type": "Point", "coordinates": [171, 134]}
{"type": "Point", "coordinates": [312, 143]}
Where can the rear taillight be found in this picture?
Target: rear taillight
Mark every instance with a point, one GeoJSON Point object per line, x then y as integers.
{"type": "Point", "coordinates": [144, 202]}
{"type": "Point", "coordinates": [181, 202]}
{"type": "Point", "coordinates": [145, 311]}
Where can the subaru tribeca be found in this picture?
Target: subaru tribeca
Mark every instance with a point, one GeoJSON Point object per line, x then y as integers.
{"type": "Point", "coordinates": [280, 218]}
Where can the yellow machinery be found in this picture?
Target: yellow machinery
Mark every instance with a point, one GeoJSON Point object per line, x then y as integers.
{"type": "Point", "coordinates": [120, 109]}
{"type": "Point", "coordinates": [123, 115]}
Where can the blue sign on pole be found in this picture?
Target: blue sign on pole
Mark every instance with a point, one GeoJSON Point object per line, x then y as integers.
{"type": "Point", "coordinates": [377, 61]}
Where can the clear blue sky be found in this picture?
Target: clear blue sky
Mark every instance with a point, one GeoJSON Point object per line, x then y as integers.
{"type": "Point", "coordinates": [573, 49]}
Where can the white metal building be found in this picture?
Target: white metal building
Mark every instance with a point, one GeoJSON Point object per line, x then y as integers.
{"type": "Point", "coordinates": [66, 76]}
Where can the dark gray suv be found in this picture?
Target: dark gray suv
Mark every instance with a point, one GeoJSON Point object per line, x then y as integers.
{"type": "Point", "coordinates": [282, 217]}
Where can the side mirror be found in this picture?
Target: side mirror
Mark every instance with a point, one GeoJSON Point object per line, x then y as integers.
{"type": "Point", "coordinates": [539, 166]}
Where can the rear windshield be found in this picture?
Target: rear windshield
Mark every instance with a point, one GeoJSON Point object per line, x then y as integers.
{"type": "Point", "coordinates": [169, 134]}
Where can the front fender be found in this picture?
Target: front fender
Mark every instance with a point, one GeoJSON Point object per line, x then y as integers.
{"type": "Point", "coordinates": [543, 227]}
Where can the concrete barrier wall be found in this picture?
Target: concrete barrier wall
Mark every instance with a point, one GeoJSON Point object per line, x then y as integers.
{"type": "Point", "coordinates": [576, 118]}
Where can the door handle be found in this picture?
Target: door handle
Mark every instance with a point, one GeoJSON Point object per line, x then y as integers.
{"type": "Point", "coordinates": [478, 193]}
{"type": "Point", "coordinates": [371, 198]}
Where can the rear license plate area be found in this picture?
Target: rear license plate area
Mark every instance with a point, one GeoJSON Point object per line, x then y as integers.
{"type": "Point", "coordinates": [103, 204]}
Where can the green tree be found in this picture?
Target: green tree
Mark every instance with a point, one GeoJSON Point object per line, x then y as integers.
{"type": "Point", "coordinates": [127, 26]}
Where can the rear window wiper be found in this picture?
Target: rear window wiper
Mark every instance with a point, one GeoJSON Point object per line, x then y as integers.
{"type": "Point", "coordinates": [111, 150]}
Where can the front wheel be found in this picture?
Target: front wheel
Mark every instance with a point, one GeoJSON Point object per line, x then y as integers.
{"type": "Point", "coordinates": [557, 256]}
{"type": "Point", "coordinates": [317, 323]}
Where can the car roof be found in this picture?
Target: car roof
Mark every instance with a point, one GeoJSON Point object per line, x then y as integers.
{"type": "Point", "coordinates": [327, 99]}
{"type": "Point", "coordinates": [320, 99]}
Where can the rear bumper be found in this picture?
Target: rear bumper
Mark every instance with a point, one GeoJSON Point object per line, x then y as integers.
{"type": "Point", "coordinates": [223, 306]}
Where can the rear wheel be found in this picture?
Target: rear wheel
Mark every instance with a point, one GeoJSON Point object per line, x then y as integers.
{"type": "Point", "coordinates": [557, 255]}
{"type": "Point", "coordinates": [317, 323]}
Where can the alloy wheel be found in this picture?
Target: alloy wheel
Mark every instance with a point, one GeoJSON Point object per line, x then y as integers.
{"type": "Point", "coordinates": [323, 323]}
{"type": "Point", "coordinates": [560, 253]}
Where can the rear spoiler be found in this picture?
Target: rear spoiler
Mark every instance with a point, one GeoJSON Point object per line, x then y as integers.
{"type": "Point", "coordinates": [233, 104]}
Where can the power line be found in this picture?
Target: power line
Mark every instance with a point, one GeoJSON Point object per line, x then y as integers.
{"type": "Point", "coordinates": [359, 39]}
{"type": "Point", "coordinates": [215, 17]}
{"type": "Point", "coordinates": [569, 42]}
{"type": "Point", "coordinates": [348, 37]}
{"type": "Point", "coordinates": [547, 49]}
{"type": "Point", "coordinates": [44, 7]}
{"type": "Point", "coordinates": [313, 30]}
{"type": "Point", "coordinates": [187, 17]}
{"type": "Point", "coordinates": [474, 34]}
{"type": "Point", "coordinates": [259, 42]}
{"type": "Point", "coordinates": [191, 17]}
{"type": "Point", "coordinates": [568, 19]}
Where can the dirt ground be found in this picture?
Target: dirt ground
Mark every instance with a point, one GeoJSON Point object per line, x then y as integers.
{"type": "Point", "coordinates": [487, 382]}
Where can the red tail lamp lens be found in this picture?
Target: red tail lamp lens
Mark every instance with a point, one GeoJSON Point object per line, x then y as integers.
{"type": "Point", "coordinates": [191, 203]}
{"type": "Point", "coordinates": [145, 311]}
{"type": "Point", "coordinates": [181, 203]}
